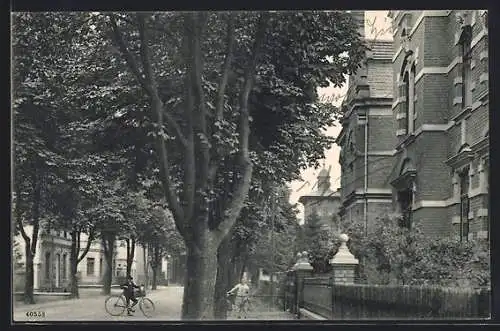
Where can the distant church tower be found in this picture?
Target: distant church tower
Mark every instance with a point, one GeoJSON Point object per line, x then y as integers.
{"type": "Point", "coordinates": [322, 201]}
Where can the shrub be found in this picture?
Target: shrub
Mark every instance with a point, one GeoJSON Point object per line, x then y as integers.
{"type": "Point", "coordinates": [319, 241]}
{"type": "Point", "coordinates": [392, 254]}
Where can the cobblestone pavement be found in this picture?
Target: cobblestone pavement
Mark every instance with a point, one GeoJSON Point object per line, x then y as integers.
{"type": "Point", "coordinates": [90, 307]}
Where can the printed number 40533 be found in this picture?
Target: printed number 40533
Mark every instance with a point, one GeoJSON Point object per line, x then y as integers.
{"type": "Point", "coordinates": [35, 314]}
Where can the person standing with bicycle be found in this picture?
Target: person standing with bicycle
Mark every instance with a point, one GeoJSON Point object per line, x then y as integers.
{"type": "Point", "coordinates": [242, 291]}
{"type": "Point", "coordinates": [128, 292]}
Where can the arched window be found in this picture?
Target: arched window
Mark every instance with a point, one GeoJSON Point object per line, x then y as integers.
{"type": "Point", "coordinates": [408, 93]}
{"type": "Point", "coordinates": [465, 44]}
{"type": "Point", "coordinates": [47, 266]}
{"type": "Point", "coordinates": [90, 266]}
{"type": "Point", "coordinates": [406, 189]}
{"type": "Point", "coordinates": [64, 265]}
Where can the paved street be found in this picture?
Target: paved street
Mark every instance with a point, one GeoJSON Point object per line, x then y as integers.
{"type": "Point", "coordinates": [90, 307]}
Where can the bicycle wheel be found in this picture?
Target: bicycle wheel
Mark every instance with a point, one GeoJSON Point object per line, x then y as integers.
{"type": "Point", "coordinates": [249, 305]}
{"type": "Point", "coordinates": [147, 307]}
{"type": "Point", "coordinates": [244, 311]}
{"type": "Point", "coordinates": [115, 305]}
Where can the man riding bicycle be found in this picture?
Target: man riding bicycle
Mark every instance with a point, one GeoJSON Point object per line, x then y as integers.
{"type": "Point", "coordinates": [128, 292]}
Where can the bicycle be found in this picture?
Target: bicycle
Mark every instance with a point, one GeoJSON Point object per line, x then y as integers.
{"type": "Point", "coordinates": [120, 304]}
{"type": "Point", "coordinates": [243, 307]}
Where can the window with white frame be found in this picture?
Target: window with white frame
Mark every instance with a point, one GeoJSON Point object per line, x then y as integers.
{"type": "Point", "coordinates": [64, 265]}
{"type": "Point", "coordinates": [90, 266]}
{"type": "Point", "coordinates": [48, 264]}
{"type": "Point", "coordinates": [466, 49]}
{"type": "Point", "coordinates": [409, 95]}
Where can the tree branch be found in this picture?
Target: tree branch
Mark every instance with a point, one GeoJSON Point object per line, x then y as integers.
{"type": "Point", "coordinates": [129, 59]}
{"type": "Point", "coordinates": [37, 195]}
{"type": "Point", "coordinates": [104, 246]}
{"type": "Point", "coordinates": [175, 126]}
{"type": "Point", "coordinates": [78, 234]}
{"type": "Point", "coordinates": [157, 108]}
{"type": "Point", "coordinates": [225, 68]}
{"type": "Point", "coordinates": [246, 167]}
{"type": "Point", "coordinates": [195, 26]}
{"type": "Point", "coordinates": [150, 78]}
{"type": "Point", "coordinates": [219, 109]}
{"type": "Point", "coordinates": [197, 71]}
{"type": "Point", "coordinates": [248, 84]}
{"type": "Point", "coordinates": [87, 247]}
{"type": "Point", "coordinates": [19, 222]}
{"type": "Point", "coordinates": [189, 155]}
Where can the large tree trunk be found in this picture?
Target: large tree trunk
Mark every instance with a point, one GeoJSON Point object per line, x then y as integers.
{"type": "Point", "coordinates": [107, 279]}
{"type": "Point", "coordinates": [108, 245]}
{"type": "Point", "coordinates": [130, 255]}
{"type": "Point", "coordinates": [74, 265]}
{"type": "Point", "coordinates": [75, 258]}
{"type": "Point", "coordinates": [154, 281]}
{"type": "Point", "coordinates": [29, 276]}
{"type": "Point", "coordinates": [199, 285]}
{"type": "Point", "coordinates": [30, 249]}
{"type": "Point", "coordinates": [29, 297]}
{"type": "Point", "coordinates": [223, 282]}
{"type": "Point", "coordinates": [155, 265]}
{"type": "Point", "coordinates": [146, 269]}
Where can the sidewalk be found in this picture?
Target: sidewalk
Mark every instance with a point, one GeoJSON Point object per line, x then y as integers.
{"type": "Point", "coordinates": [90, 307]}
{"type": "Point", "coordinates": [264, 311]}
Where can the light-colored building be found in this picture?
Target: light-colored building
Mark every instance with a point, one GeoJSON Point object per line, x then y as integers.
{"type": "Point", "coordinates": [52, 262]}
{"type": "Point", "coordinates": [322, 201]}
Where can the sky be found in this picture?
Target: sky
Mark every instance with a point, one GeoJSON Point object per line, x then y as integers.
{"type": "Point", "coordinates": [378, 21]}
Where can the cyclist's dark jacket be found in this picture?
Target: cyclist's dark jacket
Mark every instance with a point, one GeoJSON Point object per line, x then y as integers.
{"type": "Point", "coordinates": [128, 288]}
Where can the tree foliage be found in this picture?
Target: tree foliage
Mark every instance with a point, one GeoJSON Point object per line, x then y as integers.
{"type": "Point", "coordinates": [274, 244]}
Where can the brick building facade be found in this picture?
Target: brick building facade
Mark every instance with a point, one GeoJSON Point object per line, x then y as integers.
{"type": "Point", "coordinates": [365, 140]}
{"type": "Point", "coordinates": [440, 75]}
{"type": "Point", "coordinates": [436, 141]}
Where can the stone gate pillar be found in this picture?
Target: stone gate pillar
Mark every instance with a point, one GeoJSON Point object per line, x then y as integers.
{"type": "Point", "coordinates": [344, 264]}
{"type": "Point", "coordinates": [302, 270]}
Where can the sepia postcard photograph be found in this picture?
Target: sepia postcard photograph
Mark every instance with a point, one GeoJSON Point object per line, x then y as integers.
{"type": "Point", "coordinates": [327, 165]}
